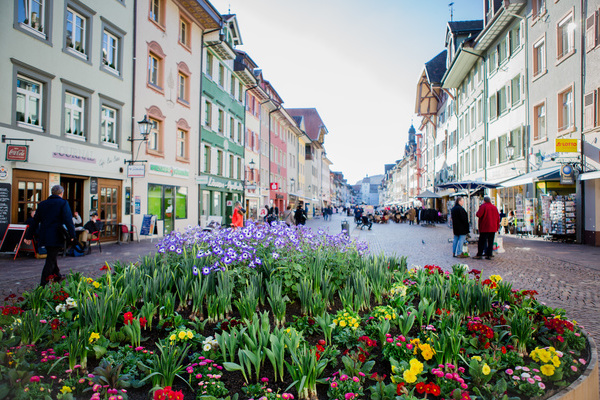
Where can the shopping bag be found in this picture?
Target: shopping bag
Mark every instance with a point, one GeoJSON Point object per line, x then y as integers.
{"type": "Point", "coordinates": [499, 245]}
{"type": "Point", "coordinates": [465, 249]}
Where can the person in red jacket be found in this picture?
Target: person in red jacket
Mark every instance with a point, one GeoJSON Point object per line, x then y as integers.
{"type": "Point", "coordinates": [237, 220]}
{"type": "Point", "coordinates": [489, 223]}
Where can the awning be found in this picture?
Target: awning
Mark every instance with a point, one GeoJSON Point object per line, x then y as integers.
{"type": "Point", "coordinates": [589, 175]}
{"type": "Point", "coordinates": [447, 192]}
{"type": "Point", "coordinates": [545, 174]}
{"type": "Point", "coordinates": [428, 194]}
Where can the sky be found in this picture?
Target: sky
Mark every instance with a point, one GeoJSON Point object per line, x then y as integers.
{"type": "Point", "coordinates": [356, 61]}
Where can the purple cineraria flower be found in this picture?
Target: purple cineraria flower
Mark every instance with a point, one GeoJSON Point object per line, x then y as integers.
{"type": "Point", "coordinates": [226, 260]}
{"type": "Point", "coordinates": [179, 250]}
{"type": "Point", "coordinates": [275, 256]}
{"type": "Point", "coordinates": [172, 247]}
{"type": "Point", "coordinates": [205, 270]}
{"type": "Point", "coordinates": [252, 265]}
{"type": "Point", "coordinates": [195, 270]}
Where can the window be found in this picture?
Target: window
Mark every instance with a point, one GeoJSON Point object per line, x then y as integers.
{"type": "Point", "coordinates": [154, 138]}
{"type": "Point", "coordinates": [516, 140]}
{"type": "Point", "coordinates": [182, 87]}
{"type": "Point", "coordinates": [239, 168]}
{"type": "Point", "coordinates": [502, 53]}
{"type": "Point", "coordinates": [108, 130]}
{"type": "Point", "coordinates": [539, 8]}
{"type": "Point", "coordinates": [156, 11]}
{"type": "Point", "coordinates": [515, 90]}
{"type": "Point", "coordinates": [32, 17]}
{"type": "Point", "coordinates": [502, 101]}
{"type": "Point", "coordinates": [182, 144]}
{"type": "Point", "coordinates": [474, 159]}
{"type": "Point", "coordinates": [565, 40]}
{"type": "Point", "coordinates": [493, 152]}
{"type": "Point", "coordinates": [467, 162]}
{"type": "Point", "coordinates": [231, 128]}
{"type": "Point", "coordinates": [473, 113]}
{"type": "Point", "coordinates": [479, 111]}
{"type": "Point", "coordinates": [221, 122]}
{"type": "Point", "coordinates": [29, 101]}
{"type": "Point", "coordinates": [515, 39]}
{"type": "Point", "coordinates": [493, 107]}
{"type": "Point", "coordinates": [539, 122]}
{"type": "Point", "coordinates": [231, 166]}
{"type": "Point", "coordinates": [589, 110]}
{"type": "Point", "coordinates": [221, 75]}
{"type": "Point", "coordinates": [110, 51]}
{"type": "Point", "coordinates": [233, 85]}
{"type": "Point", "coordinates": [480, 155]}
{"type": "Point", "coordinates": [207, 114]}
{"type": "Point", "coordinates": [240, 92]}
{"type": "Point", "coordinates": [502, 142]}
{"type": "Point", "coordinates": [565, 109]}
{"type": "Point", "coordinates": [209, 63]}
{"type": "Point", "coordinates": [220, 162]}
{"type": "Point", "coordinates": [159, 196]}
{"type": "Point", "coordinates": [539, 57]}
{"type": "Point", "coordinates": [492, 62]}
{"type": "Point", "coordinates": [184, 33]}
{"type": "Point", "coordinates": [153, 70]}
{"type": "Point", "coordinates": [207, 154]}
{"type": "Point", "coordinates": [76, 31]}
{"type": "Point", "coordinates": [74, 115]}
{"type": "Point", "coordinates": [239, 132]}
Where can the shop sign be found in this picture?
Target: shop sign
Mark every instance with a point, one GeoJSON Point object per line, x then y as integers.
{"type": "Point", "coordinates": [74, 154]}
{"type": "Point", "coordinates": [136, 170]}
{"type": "Point", "coordinates": [218, 183]}
{"type": "Point", "coordinates": [567, 145]}
{"type": "Point", "coordinates": [168, 170]}
{"type": "Point", "coordinates": [274, 186]}
{"type": "Point", "coordinates": [17, 152]}
{"type": "Point", "coordinates": [3, 173]}
{"type": "Point", "coordinates": [566, 175]}
{"type": "Point", "coordinates": [229, 203]}
{"type": "Point", "coordinates": [53, 179]}
{"type": "Point", "coordinates": [93, 185]}
{"type": "Point", "coordinates": [251, 187]}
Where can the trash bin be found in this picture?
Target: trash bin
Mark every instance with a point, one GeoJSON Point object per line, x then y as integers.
{"type": "Point", "coordinates": [346, 226]}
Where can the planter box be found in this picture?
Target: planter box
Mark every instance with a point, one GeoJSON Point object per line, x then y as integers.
{"type": "Point", "coordinates": [586, 386]}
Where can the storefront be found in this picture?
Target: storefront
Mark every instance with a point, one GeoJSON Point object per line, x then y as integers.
{"type": "Point", "coordinates": [217, 198]}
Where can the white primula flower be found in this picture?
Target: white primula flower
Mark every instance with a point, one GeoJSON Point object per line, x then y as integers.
{"type": "Point", "coordinates": [71, 302]}
{"type": "Point", "coordinates": [61, 308]}
{"type": "Point", "coordinates": [207, 347]}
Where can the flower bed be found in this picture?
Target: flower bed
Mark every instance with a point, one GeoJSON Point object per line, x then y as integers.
{"type": "Point", "coordinates": [269, 312]}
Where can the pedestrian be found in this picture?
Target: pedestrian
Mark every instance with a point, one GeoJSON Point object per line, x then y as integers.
{"type": "Point", "coordinates": [460, 226]}
{"type": "Point", "coordinates": [489, 222]}
{"type": "Point", "coordinates": [412, 214]}
{"type": "Point", "coordinates": [51, 215]}
{"type": "Point", "coordinates": [300, 216]}
{"type": "Point", "coordinates": [266, 218]}
{"type": "Point", "coordinates": [288, 215]}
{"type": "Point", "coordinates": [237, 219]}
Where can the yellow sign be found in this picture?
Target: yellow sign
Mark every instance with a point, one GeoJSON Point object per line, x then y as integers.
{"type": "Point", "coordinates": [567, 145]}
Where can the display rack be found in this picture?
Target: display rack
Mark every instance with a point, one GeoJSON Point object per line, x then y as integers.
{"type": "Point", "coordinates": [562, 218]}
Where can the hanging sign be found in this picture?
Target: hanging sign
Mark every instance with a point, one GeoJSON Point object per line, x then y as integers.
{"type": "Point", "coordinates": [567, 145]}
{"type": "Point", "coordinates": [93, 185]}
{"type": "Point", "coordinates": [136, 171]}
{"type": "Point", "coordinates": [274, 186]}
{"type": "Point", "coordinates": [566, 175]}
{"type": "Point", "coordinates": [17, 152]}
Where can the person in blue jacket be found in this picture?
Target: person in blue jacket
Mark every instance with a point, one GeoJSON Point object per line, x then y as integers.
{"type": "Point", "coordinates": [50, 216]}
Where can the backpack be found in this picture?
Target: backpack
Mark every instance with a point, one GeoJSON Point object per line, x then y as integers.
{"type": "Point", "coordinates": [75, 251]}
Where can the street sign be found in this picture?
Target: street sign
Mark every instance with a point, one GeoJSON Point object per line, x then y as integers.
{"type": "Point", "coordinates": [567, 145]}
{"type": "Point", "coordinates": [136, 171]}
{"type": "Point", "coordinates": [274, 186]}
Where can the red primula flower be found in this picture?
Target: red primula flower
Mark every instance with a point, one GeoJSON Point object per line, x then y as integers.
{"type": "Point", "coordinates": [435, 389]}
{"type": "Point", "coordinates": [503, 349]}
{"type": "Point", "coordinates": [54, 324]}
{"type": "Point", "coordinates": [128, 317]}
{"type": "Point", "coordinates": [421, 387]}
{"type": "Point", "coordinates": [399, 388]}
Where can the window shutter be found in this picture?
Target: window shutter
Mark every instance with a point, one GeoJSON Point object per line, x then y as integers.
{"type": "Point", "coordinates": [589, 107]}
{"type": "Point", "coordinates": [591, 35]}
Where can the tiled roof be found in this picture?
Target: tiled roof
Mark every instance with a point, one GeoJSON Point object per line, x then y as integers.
{"type": "Point", "coordinates": [436, 67]}
{"type": "Point", "coordinates": [312, 120]}
{"type": "Point", "coordinates": [465, 26]}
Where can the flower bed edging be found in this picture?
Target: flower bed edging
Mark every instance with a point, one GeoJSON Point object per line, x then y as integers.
{"type": "Point", "coordinates": [586, 387]}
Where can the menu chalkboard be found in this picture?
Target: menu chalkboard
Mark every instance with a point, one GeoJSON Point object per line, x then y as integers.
{"type": "Point", "coordinates": [148, 225]}
{"type": "Point", "coordinates": [4, 207]}
{"type": "Point", "coordinates": [93, 185]}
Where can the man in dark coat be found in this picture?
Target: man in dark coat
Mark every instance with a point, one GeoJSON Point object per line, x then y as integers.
{"type": "Point", "coordinates": [489, 223]}
{"type": "Point", "coordinates": [460, 226]}
{"type": "Point", "coordinates": [300, 216]}
{"type": "Point", "coordinates": [51, 215]}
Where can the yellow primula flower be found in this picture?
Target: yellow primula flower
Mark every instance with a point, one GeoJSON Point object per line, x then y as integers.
{"type": "Point", "coordinates": [388, 316]}
{"type": "Point", "coordinates": [409, 376]}
{"type": "Point", "coordinates": [356, 325]}
{"type": "Point", "coordinates": [181, 335]}
{"type": "Point", "coordinates": [476, 358]}
{"type": "Point", "coordinates": [96, 284]}
{"type": "Point", "coordinates": [416, 366]}
{"type": "Point", "coordinates": [544, 355]}
{"type": "Point", "coordinates": [486, 369]}
{"type": "Point", "coordinates": [66, 389]}
{"type": "Point", "coordinates": [190, 334]}
{"type": "Point", "coordinates": [495, 278]}
{"type": "Point", "coordinates": [556, 361]}
{"type": "Point", "coordinates": [94, 336]}
{"type": "Point", "coordinates": [90, 280]}
{"type": "Point", "coordinates": [547, 369]}
{"type": "Point", "coordinates": [335, 321]}
{"type": "Point", "coordinates": [172, 338]}
{"type": "Point", "coordinates": [394, 369]}
{"type": "Point", "coordinates": [342, 323]}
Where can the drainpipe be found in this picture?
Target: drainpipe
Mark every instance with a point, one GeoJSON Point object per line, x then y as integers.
{"type": "Point", "coordinates": [132, 214]}
{"type": "Point", "coordinates": [269, 177]}
{"type": "Point", "coordinates": [580, 186]}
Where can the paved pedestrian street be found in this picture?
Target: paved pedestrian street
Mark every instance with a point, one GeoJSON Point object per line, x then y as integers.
{"type": "Point", "coordinates": [565, 275]}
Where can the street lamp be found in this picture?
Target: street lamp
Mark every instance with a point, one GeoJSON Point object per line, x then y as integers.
{"type": "Point", "coordinates": [510, 151]}
{"type": "Point", "coordinates": [251, 164]}
{"type": "Point", "coordinates": [145, 127]}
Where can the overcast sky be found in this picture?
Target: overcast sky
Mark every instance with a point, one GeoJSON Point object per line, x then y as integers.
{"type": "Point", "coordinates": [356, 61]}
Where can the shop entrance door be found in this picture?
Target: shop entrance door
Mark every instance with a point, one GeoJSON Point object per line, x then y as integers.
{"type": "Point", "coordinates": [74, 195]}
{"type": "Point", "coordinates": [29, 188]}
{"type": "Point", "coordinates": [169, 211]}
{"type": "Point", "coordinates": [109, 207]}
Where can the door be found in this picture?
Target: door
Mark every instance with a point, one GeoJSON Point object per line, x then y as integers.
{"type": "Point", "coordinates": [74, 195]}
{"type": "Point", "coordinates": [109, 207]}
{"type": "Point", "coordinates": [169, 209]}
{"type": "Point", "coordinates": [29, 188]}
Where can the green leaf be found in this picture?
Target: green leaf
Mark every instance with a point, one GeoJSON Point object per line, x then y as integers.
{"type": "Point", "coordinates": [229, 366]}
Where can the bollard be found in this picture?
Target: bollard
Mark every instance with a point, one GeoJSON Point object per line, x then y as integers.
{"type": "Point", "coordinates": [346, 226]}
